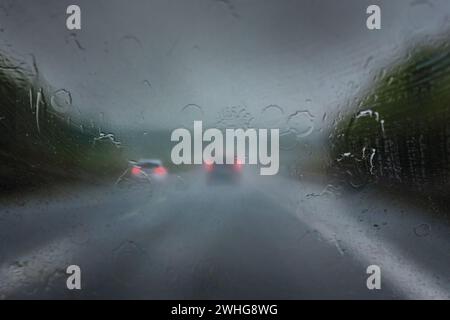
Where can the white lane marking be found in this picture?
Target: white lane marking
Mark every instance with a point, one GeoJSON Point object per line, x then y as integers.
{"type": "Point", "coordinates": [412, 280]}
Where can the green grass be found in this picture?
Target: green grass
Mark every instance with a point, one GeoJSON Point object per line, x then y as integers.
{"type": "Point", "coordinates": [409, 129]}
{"type": "Point", "coordinates": [44, 143]}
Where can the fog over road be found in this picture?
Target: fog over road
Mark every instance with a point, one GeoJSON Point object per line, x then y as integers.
{"type": "Point", "coordinates": [266, 238]}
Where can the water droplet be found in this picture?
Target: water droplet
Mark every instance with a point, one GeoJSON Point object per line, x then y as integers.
{"type": "Point", "coordinates": [271, 117]}
{"type": "Point", "coordinates": [108, 137]}
{"type": "Point", "coordinates": [61, 100]}
{"type": "Point", "coordinates": [368, 61]}
{"type": "Point", "coordinates": [301, 122]}
{"type": "Point", "coordinates": [391, 81]}
{"type": "Point", "coordinates": [422, 230]}
{"type": "Point", "coordinates": [368, 113]}
{"type": "Point", "coordinates": [288, 140]}
{"type": "Point", "coordinates": [234, 117]}
{"type": "Point", "coordinates": [189, 114]}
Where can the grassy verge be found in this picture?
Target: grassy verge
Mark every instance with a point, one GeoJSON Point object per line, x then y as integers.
{"type": "Point", "coordinates": [43, 139]}
{"type": "Point", "coordinates": [398, 134]}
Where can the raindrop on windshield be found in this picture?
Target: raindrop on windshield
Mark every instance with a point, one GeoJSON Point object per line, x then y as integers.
{"type": "Point", "coordinates": [288, 140]}
{"type": "Point", "coordinates": [422, 230]}
{"type": "Point", "coordinates": [271, 117]}
{"type": "Point", "coordinates": [301, 122]}
{"type": "Point", "coordinates": [61, 100]}
{"type": "Point", "coordinates": [189, 114]}
{"type": "Point", "coordinates": [234, 117]}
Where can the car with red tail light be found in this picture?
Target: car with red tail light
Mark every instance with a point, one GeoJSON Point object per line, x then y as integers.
{"type": "Point", "coordinates": [223, 172]}
{"type": "Point", "coordinates": [147, 170]}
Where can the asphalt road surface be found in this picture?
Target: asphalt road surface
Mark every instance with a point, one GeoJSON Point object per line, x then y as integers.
{"type": "Point", "coordinates": [265, 238]}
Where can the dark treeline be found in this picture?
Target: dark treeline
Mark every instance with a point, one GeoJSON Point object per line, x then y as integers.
{"type": "Point", "coordinates": [43, 138]}
{"type": "Point", "coordinates": [398, 134]}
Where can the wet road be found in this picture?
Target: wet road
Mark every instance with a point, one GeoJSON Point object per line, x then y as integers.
{"type": "Point", "coordinates": [266, 238]}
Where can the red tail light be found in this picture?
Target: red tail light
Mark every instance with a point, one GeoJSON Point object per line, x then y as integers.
{"type": "Point", "coordinates": [209, 166]}
{"type": "Point", "coordinates": [238, 165]}
{"type": "Point", "coordinates": [136, 170]}
{"type": "Point", "coordinates": [161, 171]}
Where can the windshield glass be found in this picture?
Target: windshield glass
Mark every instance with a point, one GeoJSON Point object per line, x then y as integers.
{"type": "Point", "coordinates": [299, 149]}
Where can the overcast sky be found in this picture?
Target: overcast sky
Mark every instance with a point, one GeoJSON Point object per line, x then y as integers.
{"type": "Point", "coordinates": [140, 62]}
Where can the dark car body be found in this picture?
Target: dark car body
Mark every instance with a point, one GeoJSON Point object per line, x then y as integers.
{"type": "Point", "coordinates": [223, 173]}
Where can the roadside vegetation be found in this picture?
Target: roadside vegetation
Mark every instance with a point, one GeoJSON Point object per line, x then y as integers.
{"type": "Point", "coordinates": [398, 132]}
{"type": "Point", "coordinates": [43, 137]}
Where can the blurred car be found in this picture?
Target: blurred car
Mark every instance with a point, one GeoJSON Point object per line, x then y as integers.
{"type": "Point", "coordinates": [217, 173]}
{"type": "Point", "coordinates": [146, 170]}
